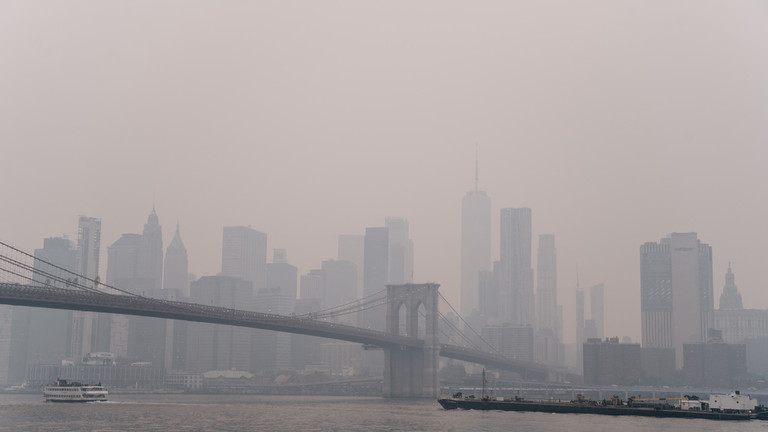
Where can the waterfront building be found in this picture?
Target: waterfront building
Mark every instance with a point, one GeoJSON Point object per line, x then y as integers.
{"type": "Point", "coordinates": [715, 364]}
{"type": "Point", "coordinates": [676, 292]}
{"type": "Point", "coordinates": [610, 362]}
{"type": "Point", "coordinates": [516, 292]}
{"type": "Point", "coordinates": [658, 365]}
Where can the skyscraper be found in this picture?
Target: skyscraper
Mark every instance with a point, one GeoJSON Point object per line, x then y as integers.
{"type": "Point", "coordinates": [549, 347]}
{"type": "Point", "coordinates": [176, 283]}
{"type": "Point", "coordinates": [597, 309]}
{"type": "Point", "coordinates": [176, 274]}
{"type": "Point", "coordinates": [85, 324]}
{"type": "Point", "coordinates": [244, 255]}
{"type": "Point", "coordinates": [151, 253]}
{"type": "Point", "coordinates": [676, 292]}
{"type": "Point", "coordinates": [400, 251]}
{"type": "Point", "coordinates": [49, 332]}
{"type": "Point", "coordinates": [580, 324]}
{"type": "Point", "coordinates": [281, 275]}
{"type": "Point", "coordinates": [475, 245]}
{"type": "Point", "coordinates": [218, 347]}
{"type": "Point", "coordinates": [352, 249]}
{"type": "Point", "coordinates": [135, 263]}
{"type": "Point", "coordinates": [123, 273]}
{"type": "Point", "coordinates": [376, 272]}
{"type": "Point", "coordinates": [546, 290]}
{"type": "Point", "coordinates": [340, 280]}
{"type": "Point", "coordinates": [516, 293]}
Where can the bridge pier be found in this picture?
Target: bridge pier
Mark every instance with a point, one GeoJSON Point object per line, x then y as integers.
{"type": "Point", "coordinates": [412, 372]}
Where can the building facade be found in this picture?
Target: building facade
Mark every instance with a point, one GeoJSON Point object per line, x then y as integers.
{"type": "Point", "coordinates": [475, 246]}
{"type": "Point", "coordinates": [376, 273]}
{"type": "Point", "coordinates": [610, 362]}
{"type": "Point", "coordinates": [244, 255]}
{"type": "Point", "coordinates": [516, 299]}
{"type": "Point", "coordinates": [176, 270]}
{"type": "Point", "coordinates": [85, 325]}
{"type": "Point", "coordinates": [676, 292]}
{"type": "Point", "coordinates": [400, 260]}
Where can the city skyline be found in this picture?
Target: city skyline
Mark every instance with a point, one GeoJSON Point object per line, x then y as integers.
{"type": "Point", "coordinates": [613, 123]}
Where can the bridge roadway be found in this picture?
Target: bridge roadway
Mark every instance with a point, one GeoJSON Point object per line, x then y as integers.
{"type": "Point", "coordinates": [92, 301]}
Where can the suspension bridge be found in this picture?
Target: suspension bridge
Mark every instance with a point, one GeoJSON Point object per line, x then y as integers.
{"type": "Point", "coordinates": [410, 361]}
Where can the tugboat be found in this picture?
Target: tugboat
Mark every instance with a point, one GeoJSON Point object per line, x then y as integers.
{"type": "Point", "coordinates": [731, 406]}
{"type": "Point", "coordinates": [65, 391]}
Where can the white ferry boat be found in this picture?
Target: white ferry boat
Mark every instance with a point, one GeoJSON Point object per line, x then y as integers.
{"type": "Point", "coordinates": [64, 391]}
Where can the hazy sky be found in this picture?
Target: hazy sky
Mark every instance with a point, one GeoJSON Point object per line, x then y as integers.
{"type": "Point", "coordinates": [616, 122]}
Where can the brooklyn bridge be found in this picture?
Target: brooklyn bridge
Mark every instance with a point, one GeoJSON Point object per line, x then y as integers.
{"type": "Point", "coordinates": [411, 363]}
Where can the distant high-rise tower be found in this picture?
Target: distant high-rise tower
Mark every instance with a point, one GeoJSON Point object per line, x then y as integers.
{"type": "Point", "coordinates": [151, 253]}
{"type": "Point", "coordinates": [580, 323]}
{"type": "Point", "coordinates": [549, 347]}
{"type": "Point", "coordinates": [37, 335]}
{"type": "Point", "coordinates": [135, 264]}
{"type": "Point", "coordinates": [676, 292]}
{"type": "Point", "coordinates": [351, 249]}
{"type": "Point", "coordinates": [376, 272]}
{"type": "Point", "coordinates": [730, 298]}
{"type": "Point", "coordinates": [475, 245]}
{"type": "Point", "coordinates": [244, 255]}
{"type": "Point", "coordinates": [281, 275]}
{"type": "Point", "coordinates": [176, 275]}
{"type": "Point", "coordinates": [88, 244]}
{"type": "Point", "coordinates": [546, 290]}
{"type": "Point", "coordinates": [597, 309]}
{"type": "Point", "coordinates": [85, 324]}
{"type": "Point", "coordinates": [516, 293]}
{"type": "Point", "coordinates": [400, 251]}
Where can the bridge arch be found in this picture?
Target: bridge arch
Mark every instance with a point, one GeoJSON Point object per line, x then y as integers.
{"type": "Point", "coordinates": [401, 327]}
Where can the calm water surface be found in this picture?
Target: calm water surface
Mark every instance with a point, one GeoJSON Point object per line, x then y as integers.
{"type": "Point", "coordinates": [20, 413]}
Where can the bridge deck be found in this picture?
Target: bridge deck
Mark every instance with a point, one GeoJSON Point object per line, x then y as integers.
{"type": "Point", "coordinates": [60, 298]}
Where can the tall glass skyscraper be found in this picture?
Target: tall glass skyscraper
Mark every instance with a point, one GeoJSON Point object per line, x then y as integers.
{"type": "Point", "coordinates": [516, 293]}
{"type": "Point", "coordinates": [475, 246]}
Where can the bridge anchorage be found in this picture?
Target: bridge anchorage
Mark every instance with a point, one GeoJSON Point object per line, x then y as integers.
{"type": "Point", "coordinates": [409, 371]}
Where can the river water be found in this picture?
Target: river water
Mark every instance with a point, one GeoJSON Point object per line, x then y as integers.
{"type": "Point", "coordinates": [19, 413]}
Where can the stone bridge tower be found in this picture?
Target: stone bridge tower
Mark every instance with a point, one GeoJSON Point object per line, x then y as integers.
{"type": "Point", "coordinates": [412, 372]}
